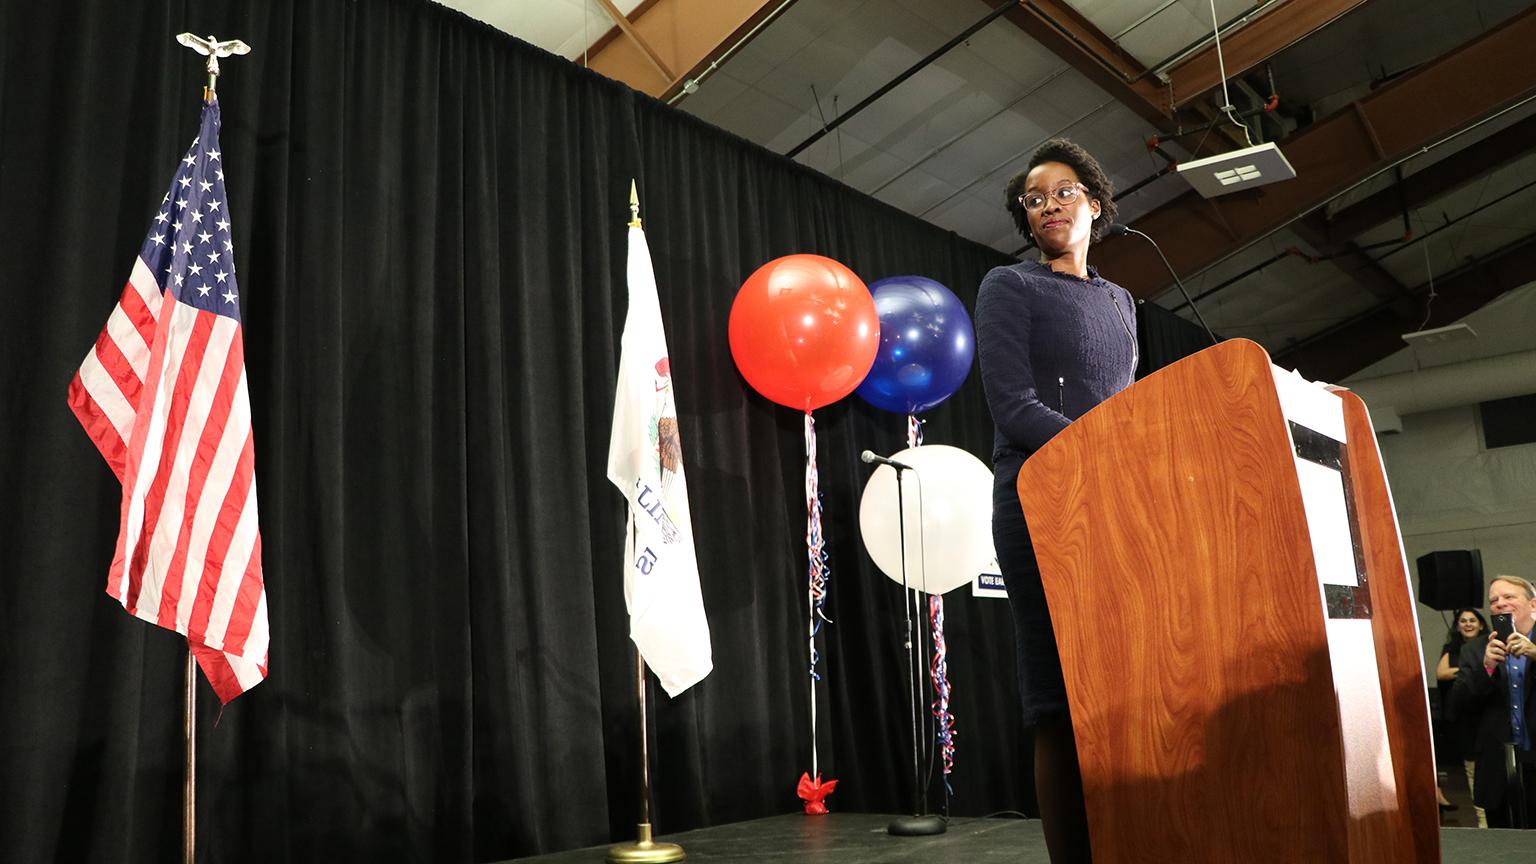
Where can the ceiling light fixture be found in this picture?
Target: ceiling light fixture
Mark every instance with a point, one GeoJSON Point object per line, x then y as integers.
{"type": "Point", "coordinates": [1440, 335]}
{"type": "Point", "coordinates": [1226, 173]}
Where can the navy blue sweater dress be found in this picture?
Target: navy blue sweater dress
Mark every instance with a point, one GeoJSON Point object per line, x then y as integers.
{"type": "Point", "coordinates": [1052, 347]}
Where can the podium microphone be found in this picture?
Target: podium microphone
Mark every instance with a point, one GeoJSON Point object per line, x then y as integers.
{"type": "Point", "coordinates": [1118, 230]}
{"type": "Point", "coordinates": [871, 457]}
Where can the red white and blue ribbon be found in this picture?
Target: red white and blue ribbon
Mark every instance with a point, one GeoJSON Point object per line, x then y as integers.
{"type": "Point", "coordinates": [819, 570]}
{"type": "Point", "coordinates": [938, 670]}
{"type": "Point", "coordinates": [944, 722]}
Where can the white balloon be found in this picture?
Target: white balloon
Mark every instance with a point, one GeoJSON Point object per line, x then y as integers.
{"type": "Point", "coordinates": [947, 498]}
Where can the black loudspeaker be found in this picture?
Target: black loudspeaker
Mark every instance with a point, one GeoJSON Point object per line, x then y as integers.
{"type": "Point", "coordinates": [1451, 579]}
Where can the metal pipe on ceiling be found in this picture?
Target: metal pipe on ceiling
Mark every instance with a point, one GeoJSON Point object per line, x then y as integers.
{"type": "Point", "coordinates": [1199, 44]}
{"type": "Point", "coordinates": [950, 142]}
{"type": "Point", "coordinates": [1006, 162]}
{"type": "Point", "coordinates": [896, 82]}
{"type": "Point", "coordinates": [691, 86]}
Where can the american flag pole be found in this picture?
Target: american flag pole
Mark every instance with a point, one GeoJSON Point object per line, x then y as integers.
{"type": "Point", "coordinates": [213, 49]}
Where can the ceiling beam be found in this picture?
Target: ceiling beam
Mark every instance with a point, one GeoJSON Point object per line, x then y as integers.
{"type": "Point", "coordinates": [1067, 34]}
{"type": "Point", "coordinates": [1435, 101]}
{"type": "Point", "coordinates": [1344, 350]}
{"type": "Point", "coordinates": [674, 41]}
{"type": "Point", "coordinates": [1423, 186]}
{"type": "Point", "coordinates": [1353, 262]}
{"type": "Point", "coordinates": [634, 35]}
{"type": "Point", "coordinates": [1282, 25]}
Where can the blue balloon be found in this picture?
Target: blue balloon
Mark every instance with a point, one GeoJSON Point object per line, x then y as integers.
{"type": "Point", "coordinates": [926, 345]}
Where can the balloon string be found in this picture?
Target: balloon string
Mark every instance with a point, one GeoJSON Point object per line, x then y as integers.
{"type": "Point", "coordinates": [819, 571]}
{"type": "Point", "coordinates": [939, 671]}
{"type": "Point", "coordinates": [914, 431]}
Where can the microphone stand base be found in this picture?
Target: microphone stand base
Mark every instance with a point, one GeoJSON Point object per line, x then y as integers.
{"type": "Point", "coordinates": [917, 826]}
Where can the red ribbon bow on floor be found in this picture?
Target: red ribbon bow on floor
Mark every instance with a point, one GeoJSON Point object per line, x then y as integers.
{"type": "Point", "coordinates": [813, 791]}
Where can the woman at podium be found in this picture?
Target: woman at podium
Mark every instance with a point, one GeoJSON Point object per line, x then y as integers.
{"type": "Point", "coordinates": [1055, 339]}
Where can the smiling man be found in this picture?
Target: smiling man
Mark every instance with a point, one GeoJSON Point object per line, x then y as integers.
{"type": "Point", "coordinates": [1495, 686]}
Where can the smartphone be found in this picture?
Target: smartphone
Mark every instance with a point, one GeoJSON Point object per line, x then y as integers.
{"type": "Point", "coordinates": [1503, 625]}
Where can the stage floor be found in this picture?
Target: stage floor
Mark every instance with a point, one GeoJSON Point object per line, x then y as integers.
{"type": "Point", "coordinates": [860, 838]}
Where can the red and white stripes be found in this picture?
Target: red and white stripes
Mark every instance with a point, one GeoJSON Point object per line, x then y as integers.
{"type": "Point", "coordinates": [163, 395]}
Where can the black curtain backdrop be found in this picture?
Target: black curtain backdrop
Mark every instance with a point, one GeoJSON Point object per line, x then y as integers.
{"type": "Point", "coordinates": [429, 227]}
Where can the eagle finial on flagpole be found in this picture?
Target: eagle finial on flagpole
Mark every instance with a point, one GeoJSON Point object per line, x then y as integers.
{"type": "Point", "coordinates": [634, 206]}
{"type": "Point", "coordinates": [213, 49]}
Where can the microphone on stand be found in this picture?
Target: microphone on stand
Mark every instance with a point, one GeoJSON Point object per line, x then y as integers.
{"type": "Point", "coordinates": [920, 823]}
{"type": "Point", "coordinates": [1118, 230]}
{"type": "Point", "coordinates": [871, 457]}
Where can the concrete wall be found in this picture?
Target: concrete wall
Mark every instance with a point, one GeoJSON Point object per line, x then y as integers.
{"type": "Point", "coordinates": [1450, 492]}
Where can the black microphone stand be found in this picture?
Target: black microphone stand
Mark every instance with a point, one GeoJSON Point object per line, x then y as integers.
{"type": "Point", "coordinates": [1117, 229]}
{"type": "Point", "coordinates": [920, 823]}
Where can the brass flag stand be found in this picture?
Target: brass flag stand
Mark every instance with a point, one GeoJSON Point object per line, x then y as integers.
{"type": "Point", "coordinates": [644, 850]}
{"type": "Point", "coordinates": [213, 49]}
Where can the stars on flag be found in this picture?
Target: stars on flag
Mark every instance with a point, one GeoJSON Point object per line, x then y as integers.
{"type": "Point", "coordinates": [189, 248]}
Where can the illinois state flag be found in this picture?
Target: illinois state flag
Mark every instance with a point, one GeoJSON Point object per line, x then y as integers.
{"type": "Point", "coordinates": [163, 397]}
{"type": "Point", "coordinates": [645, 460]}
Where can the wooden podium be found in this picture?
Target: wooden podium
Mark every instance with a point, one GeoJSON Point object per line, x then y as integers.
{"type": "Point", "coordinates": [1228, 589]}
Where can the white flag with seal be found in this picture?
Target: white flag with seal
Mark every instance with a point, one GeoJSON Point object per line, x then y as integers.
{"type": "Point", "coordinates": [645, 460]}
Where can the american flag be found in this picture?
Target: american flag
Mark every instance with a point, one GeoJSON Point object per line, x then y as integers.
{"type": "Point", "coordinates": [163, 396]}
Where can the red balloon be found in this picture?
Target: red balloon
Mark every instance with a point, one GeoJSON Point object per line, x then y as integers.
{"type": "Point", "coordinates": [804, 331]}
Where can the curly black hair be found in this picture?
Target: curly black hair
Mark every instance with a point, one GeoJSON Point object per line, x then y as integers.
{"type": "Point", "coordinates": [1089, 171]}
{"type": "Point", "coordinates": [1454, 639]}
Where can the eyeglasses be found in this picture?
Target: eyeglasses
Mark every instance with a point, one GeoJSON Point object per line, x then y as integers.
{"type": "Point", "coordinates": [1064, 195]}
